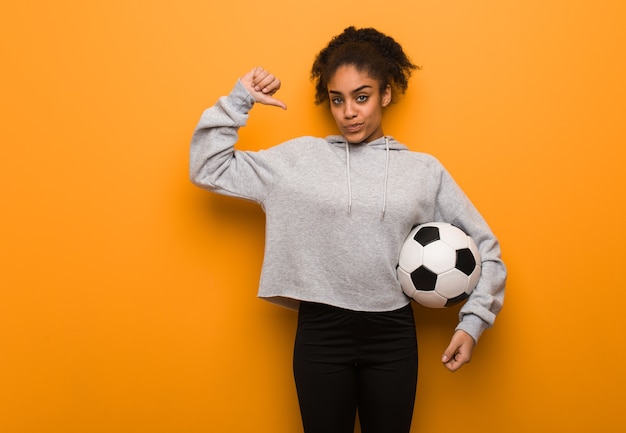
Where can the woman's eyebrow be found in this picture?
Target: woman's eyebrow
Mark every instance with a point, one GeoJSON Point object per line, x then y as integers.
{"type": "Point", "coordinates": [357, 90]}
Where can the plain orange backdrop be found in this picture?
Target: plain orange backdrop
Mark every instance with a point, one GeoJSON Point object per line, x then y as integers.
{"type": "Point", "coordinates": [127, 295]}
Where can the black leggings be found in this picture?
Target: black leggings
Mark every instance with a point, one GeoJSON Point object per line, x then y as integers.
{"type": "Point", "coordinates": [344, 360]}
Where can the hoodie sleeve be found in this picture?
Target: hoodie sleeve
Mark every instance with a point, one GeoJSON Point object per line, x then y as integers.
{"type": "Point", "coordinates": [216, 165]}
{"type": "Point", "coordinates": [480, 310]}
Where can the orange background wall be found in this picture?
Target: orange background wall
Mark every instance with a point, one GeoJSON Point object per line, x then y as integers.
{"type": "Point", "coordinates": [127, 300]}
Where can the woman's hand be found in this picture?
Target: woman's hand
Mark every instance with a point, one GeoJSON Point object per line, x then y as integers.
{"type": "Point", "coordinates": [262, 86]}
{"type": "Point", "coordinates": [459, 351]}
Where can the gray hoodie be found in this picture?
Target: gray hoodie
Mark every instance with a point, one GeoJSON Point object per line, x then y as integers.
{"type": "Point", "coordinates": [338, 213]}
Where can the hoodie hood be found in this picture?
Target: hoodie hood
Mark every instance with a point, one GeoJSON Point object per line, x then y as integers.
{"type": "Point", "coordinates": [379, 143]}
{"type": "Point", "coordinates": [384, 143]}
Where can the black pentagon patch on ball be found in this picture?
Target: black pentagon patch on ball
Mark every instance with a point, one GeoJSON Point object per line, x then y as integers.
{"type": "Point", "coordinates": [427, 235]}
{"type": "Point", "coordinates": [424, 279]}
{"type": "Point", "coordinates": [453, 301]}
{"type": "Point", "coordinates": [465, 261]}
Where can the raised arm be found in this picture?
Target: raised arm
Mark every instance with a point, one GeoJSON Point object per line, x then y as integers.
{"type": "Point", "coordinates": [214, 162]}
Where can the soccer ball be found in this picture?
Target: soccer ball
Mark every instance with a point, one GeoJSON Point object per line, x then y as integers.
{"type": "Point", "coordinates": [439, 265]}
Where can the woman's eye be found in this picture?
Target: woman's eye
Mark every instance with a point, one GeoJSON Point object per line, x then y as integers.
{"type": "Point", "coordinates": [361, 98]}
{"type": "Point", "coordinates": [336, 101]}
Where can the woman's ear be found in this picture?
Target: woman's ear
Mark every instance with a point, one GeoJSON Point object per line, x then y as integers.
{"type": "Point", "coordinates": [386, 96]}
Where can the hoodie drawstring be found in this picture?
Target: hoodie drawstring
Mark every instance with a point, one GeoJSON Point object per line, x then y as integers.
{"type": "Point", "coordinates": [382, 216]}
{"type": "Point", "coordinates": [348, 177]}
{"type": "Point", "coordinates": [386, 178]}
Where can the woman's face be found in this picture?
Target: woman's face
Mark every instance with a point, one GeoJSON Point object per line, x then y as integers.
{"type": "Point", "coordinates": [356, 104]}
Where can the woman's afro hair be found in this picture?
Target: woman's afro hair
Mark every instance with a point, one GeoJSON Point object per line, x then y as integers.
{"type": "Point", "coordinates": [367, 50]}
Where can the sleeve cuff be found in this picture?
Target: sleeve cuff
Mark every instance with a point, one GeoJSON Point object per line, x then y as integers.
{"type": "Point", "coordinates": [473, 325]}
{"type": "Point", "coordinates": [241, 97]}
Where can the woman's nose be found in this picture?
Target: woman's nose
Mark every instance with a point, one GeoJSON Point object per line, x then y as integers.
{"type": "Point", "coordinates": [349, 111]}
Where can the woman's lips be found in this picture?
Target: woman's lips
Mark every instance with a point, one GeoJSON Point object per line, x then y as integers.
{"type": "Point", "coordinates": [354, 127]}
